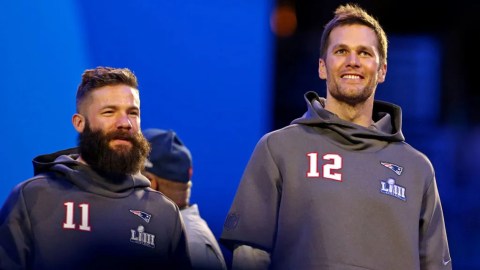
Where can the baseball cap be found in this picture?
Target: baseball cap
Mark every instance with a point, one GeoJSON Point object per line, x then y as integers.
{"type": "Point", "coordinates": [169, 158]}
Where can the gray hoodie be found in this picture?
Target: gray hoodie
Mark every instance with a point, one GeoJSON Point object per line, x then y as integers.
{"type": "Point", "coordinates": [324, 193]}
{"type": "Point", "coordinates": [69, 216]}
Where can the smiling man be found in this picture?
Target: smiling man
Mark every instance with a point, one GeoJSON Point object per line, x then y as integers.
{"type": "Point", "coordinates": [90, 207]}
{"type": "Point", "coordinates": [108, 123]}
{"type": "Point", "coordinates": [339, 188]}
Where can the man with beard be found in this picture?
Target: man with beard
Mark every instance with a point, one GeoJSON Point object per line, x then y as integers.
{"type": "Point", "coordinates": [90, 207]}
{"type": "Point", "coordinates": [340, 188]}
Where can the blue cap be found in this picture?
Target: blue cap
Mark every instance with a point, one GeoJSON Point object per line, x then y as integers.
{"type": "Point", "coordinates": [169, 158]}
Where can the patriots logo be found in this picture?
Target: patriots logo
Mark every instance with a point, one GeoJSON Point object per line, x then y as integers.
{"type": "Point", "coordinates": [394, 167]}
{"type": "Point", "coordinates": [231, 222]}
{"type": "Point", "coordinates": [143, 215]}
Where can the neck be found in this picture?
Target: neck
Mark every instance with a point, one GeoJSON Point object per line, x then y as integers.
{"type": "Point", "coordinates": [360, 114]}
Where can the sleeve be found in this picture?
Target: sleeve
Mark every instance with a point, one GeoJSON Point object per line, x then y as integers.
{"type": "Point", "coordinates": [252, 219]}
{"type": "Point", "coordinates": [15, 232]}
{"type": "Point", "coordinates": [205, 256]}
{"type": "Point", "coordinates": [434, 251]}
{"type": "Point", "coordinates": [205, 253]}
{"type": "Point", "coordinates": [248, 258]}
{"type": "Point", "coordinates": [180, 254]}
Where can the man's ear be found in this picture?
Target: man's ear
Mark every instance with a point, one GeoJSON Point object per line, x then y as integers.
{"type": "Point", "coordinates": [78, 122]}
{"type": "Point", "coordinates": [382, 72]}
{"type": "Point", "coordinates": [322, 69]}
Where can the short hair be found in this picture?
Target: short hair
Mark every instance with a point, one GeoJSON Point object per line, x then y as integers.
{"type": "Point", "coordinates": [353, 14]}
{"type": "Point", "coordinates": [103, 76]}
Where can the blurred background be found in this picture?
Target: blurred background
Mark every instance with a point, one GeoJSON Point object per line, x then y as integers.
{"type": "Point", "coordinates": [223, 73]}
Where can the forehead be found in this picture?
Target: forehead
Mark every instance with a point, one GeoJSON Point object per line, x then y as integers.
{"type": "Point", "coordinates": [115, 95]}
{"type": "Point", "coordinates": [353, 35]}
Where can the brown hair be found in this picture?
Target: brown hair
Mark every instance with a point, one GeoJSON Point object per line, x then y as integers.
{"type": "Point", "coordinates": [353, 14]}
{"type": "Point", "coordinates": [103, 76]}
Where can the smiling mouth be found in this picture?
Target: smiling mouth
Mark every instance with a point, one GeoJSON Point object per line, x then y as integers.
{"type": "Point", "coordinates": [116, 142]}
{"type": "Point", "coordinates": [351, 77]}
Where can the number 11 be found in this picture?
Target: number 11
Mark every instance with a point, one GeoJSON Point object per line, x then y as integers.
{"type": "Point", "coordinates": [68, 224]}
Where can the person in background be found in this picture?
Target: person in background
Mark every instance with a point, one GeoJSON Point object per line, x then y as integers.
{"type": "Point", "coordinates": [169, 168]}
{"type": "Point", "coordinates": [340, 188]}
{"type": "Point", "coordinates": [90, 207]}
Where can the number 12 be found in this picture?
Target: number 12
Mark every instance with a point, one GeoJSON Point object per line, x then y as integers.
{"type": "Point", "coordinates": [335, 164]}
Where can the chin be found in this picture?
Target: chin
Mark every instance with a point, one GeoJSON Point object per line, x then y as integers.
{"type": "Point", "coordinates": [121, 148]}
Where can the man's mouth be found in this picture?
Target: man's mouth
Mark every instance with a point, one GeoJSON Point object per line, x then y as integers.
{"type": "Point", "coordinates": [120, 139]}
{"type": "Point", "coordinates": [351, 77]}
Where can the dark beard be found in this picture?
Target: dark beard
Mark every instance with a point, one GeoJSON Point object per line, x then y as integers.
{"type": "Point", "coordinates": [95, 150]}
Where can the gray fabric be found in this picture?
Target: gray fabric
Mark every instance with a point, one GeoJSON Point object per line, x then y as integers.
{"type": "Point", "coordinates": [70, 217]}
{"type": "Point", "coordinates": [373, 205]}
{"type": "Point", "coordinates": [205, 252]}
{"type": "Point", "coordinates": [248, 258]}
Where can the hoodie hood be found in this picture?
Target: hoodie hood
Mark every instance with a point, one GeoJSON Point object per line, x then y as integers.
{"type": "Point", "coordinates": [386, 127]}
{"type": "Point", "coordinates": [64, 165]}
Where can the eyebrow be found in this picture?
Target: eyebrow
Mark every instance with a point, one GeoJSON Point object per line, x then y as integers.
{"type": "Point", "coordinates": [115, 107]}
{"type": "Point", "coordinates": [360, 47]}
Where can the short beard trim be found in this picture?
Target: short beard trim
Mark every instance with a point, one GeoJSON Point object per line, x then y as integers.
{"type": "Point", "coordinates": [351, 101]}
{"type": "Point", "coordinates": [95, 150]}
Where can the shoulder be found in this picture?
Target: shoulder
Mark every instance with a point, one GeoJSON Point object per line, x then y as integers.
{"type": "Point", "coordinates": [417, 158]}
{"type": "Point", "coordinates": [414, 163]}
{"type": "Point", "coordinates": [283, 135]}
{"type": "Point", "coordinates": [285, 131]}
{"type": "Point", "coordinates": [37, 183]}
{"type": "Point", "coordinates": [192, 218]}
{"type": "Point", "coordinates": [158, 200]}
{"type": "Point", "coordinates": [158, 196]}
{"type": "Point", "coordinates": [196, 227]}
{"type": "Point", "coordinates": [26, 193]}
{"type": "Point", "coordinates": [286, 139]}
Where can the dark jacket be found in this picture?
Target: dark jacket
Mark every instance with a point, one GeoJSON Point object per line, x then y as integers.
{"type": "Point", "coordinates": [69, 216]}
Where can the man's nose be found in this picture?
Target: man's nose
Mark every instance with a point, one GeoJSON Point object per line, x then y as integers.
{"type": "Point", "coordinates": [353, 60]}
{"type": "Point", "coordinates": [124, 122]}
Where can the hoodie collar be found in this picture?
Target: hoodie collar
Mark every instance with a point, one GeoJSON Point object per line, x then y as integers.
{"type": "Point", "coordinates": [386, 125]}
{"type": "Point", "coordinates": [65, 165]}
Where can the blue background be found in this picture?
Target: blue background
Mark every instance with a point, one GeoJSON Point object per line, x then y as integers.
{"type": "Point", "coordinates": [207, 70]}
{"type": "Point", "coordinates": [203, 70]}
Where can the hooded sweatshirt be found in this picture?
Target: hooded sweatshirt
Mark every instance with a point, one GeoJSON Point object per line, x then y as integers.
{"type": "Point", "coordinates": [69, 216]}
{"type": "Point", "coordinates": [324, 193]}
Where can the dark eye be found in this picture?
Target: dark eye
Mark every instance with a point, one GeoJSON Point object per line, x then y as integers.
{"type": "Point", "coordinates": [340, 51]}
{"type": "Point", "coordinates": [109, 112]}
{"type": "Point", "coordinates": [365, 53]}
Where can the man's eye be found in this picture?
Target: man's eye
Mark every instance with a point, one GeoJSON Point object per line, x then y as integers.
{"type": "Point", "coordinates": [365, 53]}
